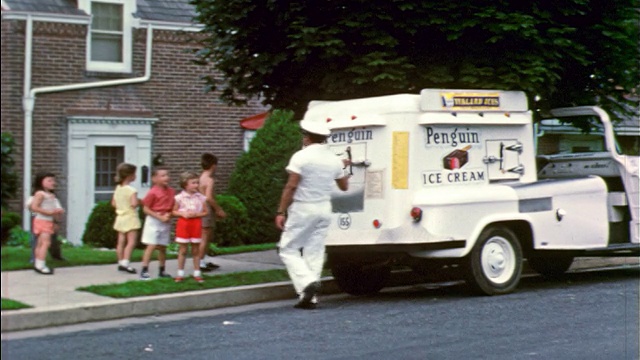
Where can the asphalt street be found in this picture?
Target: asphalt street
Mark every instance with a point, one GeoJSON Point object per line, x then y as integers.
{"type": "Point", "coordinates": [586, 315]}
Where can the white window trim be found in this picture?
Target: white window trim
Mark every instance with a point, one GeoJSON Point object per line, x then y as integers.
{"type": "Point", "coordinates": [128, 9]}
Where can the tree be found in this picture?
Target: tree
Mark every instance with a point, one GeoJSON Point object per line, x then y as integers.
{"type": "Point", "coordinates": [260, 175]}
{"type": "Point", "coordinates": [289, 52]}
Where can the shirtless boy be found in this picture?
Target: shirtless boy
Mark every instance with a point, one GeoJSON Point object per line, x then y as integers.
{"type": "Point", "coordinates": [209, 163]}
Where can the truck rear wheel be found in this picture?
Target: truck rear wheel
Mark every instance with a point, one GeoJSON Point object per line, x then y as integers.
{"type": "Point", "coordinates": [494, 265]}
{"type": "Point", "coordinates": [550, 266]}
{"type": "Point", "coordinates": [360, 279]}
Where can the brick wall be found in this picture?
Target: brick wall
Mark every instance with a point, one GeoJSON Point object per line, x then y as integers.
{"type": "Point", "coordinates": [190, 121]}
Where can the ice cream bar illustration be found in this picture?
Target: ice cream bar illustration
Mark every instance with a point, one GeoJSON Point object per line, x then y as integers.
{"type": "Point", "coordinates": [456, 159]}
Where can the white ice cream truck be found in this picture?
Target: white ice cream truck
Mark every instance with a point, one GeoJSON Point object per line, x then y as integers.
{"type": "Point", "coordinates": [451, 178]}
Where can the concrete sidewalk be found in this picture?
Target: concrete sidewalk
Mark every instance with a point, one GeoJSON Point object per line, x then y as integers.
{"type": "Point", "coordinates": [57, 302]}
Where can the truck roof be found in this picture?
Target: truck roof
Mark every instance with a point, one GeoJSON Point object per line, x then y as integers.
{"type": "Point", "coordinates": [373, 111]}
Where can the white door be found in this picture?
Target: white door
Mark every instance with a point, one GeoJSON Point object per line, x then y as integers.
{"type": "Point", "coordinates": [95, 150]}
{"type": "Point", "coordinates": [105, 153]}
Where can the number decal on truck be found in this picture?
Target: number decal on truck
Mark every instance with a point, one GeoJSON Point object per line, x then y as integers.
{"type": "Point", "coordinates": [344, 221]}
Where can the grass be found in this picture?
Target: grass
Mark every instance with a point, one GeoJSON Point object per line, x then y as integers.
{"type": "Point", "coordinates": [8, 304]}
{"type": "Point", "coordinates": [17, 258]}
{"type": "Point", "coordinates": [135, 288]}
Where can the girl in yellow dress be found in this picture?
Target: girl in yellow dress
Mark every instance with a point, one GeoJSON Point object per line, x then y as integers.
{"type": "Point", "coordinates": [127, 224]}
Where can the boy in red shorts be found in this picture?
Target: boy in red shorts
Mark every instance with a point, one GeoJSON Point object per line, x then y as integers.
{"type": "Point", "coordinates": [190, 207]}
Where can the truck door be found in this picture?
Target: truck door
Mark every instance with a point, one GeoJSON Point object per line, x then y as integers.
{"type": "Point", "coordinates": [352, 200]}
{"type": "Point", "coordinates": [503, 159]}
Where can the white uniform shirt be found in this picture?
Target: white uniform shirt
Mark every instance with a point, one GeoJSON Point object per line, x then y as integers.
{"type": "Point", "coordinates": [318, 168]}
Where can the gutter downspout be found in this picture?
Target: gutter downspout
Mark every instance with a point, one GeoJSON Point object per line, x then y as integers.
{"type": "Point", "coordinates": [28, 104]}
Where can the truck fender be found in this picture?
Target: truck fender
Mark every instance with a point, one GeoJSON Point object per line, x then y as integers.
{"type": "Point", "coordinates": [518, 223]}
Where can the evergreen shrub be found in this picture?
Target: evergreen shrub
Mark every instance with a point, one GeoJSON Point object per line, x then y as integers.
{"type": "Point", "coordinates": [231, 231]}
{"type": "Point", "coordinates": [9, 179]}
{"type": "Point", "coordinates": [10, 219]}
{"type": "Point", "coordinates": [260, 174]}
{"type": "Point", "coordinates": [99, 232]}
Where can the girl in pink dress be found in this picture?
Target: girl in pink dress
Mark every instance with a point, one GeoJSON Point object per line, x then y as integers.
{"type": "Point", "coordinates": [48, 212]}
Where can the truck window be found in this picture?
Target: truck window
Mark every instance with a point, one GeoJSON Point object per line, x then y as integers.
{"type": "Point", "coordinates": [558, 137]}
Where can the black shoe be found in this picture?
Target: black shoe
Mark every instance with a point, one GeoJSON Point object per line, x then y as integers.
{"type": "Point", "coordinates": [305, 306]}
{"type": "Point", "coordinates": [44, 271]}
{"type": "Point", "coordinates": [164, 275]}
{"type": "Point", "coordinates": [59, 258]}
{"type": "Point", "coordinates": [307, 295]}
{"type": "Point", "coordinates": [211, 266]}
{"type": "Point", "coordinates": [128, 269]}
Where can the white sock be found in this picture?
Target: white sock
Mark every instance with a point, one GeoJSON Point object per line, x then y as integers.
{"type": "Point", "coordinates": [197, 273]}
{"type": "Point", "coordinates": [40, 264]}
{"type": "Point", "coordinates": [180, 273]}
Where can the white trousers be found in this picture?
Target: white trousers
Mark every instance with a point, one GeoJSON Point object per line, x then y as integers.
{"type": "Point", "coordinates": [302, 242]}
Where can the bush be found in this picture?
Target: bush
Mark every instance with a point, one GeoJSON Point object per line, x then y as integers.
{"type": "Point", "coordinates": [98, 231]}
{"type": "Point", "coordinates": [231, 231]}
{"type": "Point", "coordinates": [9, 178]}
{"type": "Point", "coordinates": [260, 175]}
{"type": "Point", "coordinates": [19, 238]}
{"type": "Point", "coordinates": [9, 220]}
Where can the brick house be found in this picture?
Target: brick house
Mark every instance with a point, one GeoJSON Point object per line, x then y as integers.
{"type": "Point", "coordinates": [89, 84]}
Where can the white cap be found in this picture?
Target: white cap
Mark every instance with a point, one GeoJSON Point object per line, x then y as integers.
{"type": "Point", "coordinates": [315, 127]}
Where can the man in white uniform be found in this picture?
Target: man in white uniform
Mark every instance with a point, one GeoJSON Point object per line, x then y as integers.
{"type": "Point", "coordinates": [305, 210]}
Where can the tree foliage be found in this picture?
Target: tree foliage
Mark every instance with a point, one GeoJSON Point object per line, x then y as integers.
{"type": "Point", "coordinates": [260, 175]}
{"type": "Point", "coordinates": [289, 52]}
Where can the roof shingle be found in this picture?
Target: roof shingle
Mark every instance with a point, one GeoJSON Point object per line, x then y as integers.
{"type": "Point", "coordinates": [178, 11]}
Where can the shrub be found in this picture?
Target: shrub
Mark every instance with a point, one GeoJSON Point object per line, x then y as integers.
{"type": "Point", "coordinates": [9, 178]}
{"type": "Point", "coordinates": [19, 237]}
{"type": "Point", "coordinates": [98, 231]}
{"type": "Point", "coordinates": [260, 175]}
{"type": "Point", "coordinates": [9, 220]}
{"type": "Point", "coordinates": [231, 231]}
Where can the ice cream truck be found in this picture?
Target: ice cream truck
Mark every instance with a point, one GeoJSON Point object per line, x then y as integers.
{"type": "Point", "coordinates": [464, 179]}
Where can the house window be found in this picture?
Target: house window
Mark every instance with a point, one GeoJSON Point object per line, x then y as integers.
{"type": "Point", "coordinates": [106, 32]}
{"type": "Point", "coordinates": [109, 39]}
{"type": "Point", "coordinates": [107, 159]}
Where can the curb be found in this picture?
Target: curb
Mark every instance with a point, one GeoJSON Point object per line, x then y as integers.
{"type": "Point", "coordinates": [29, 319]}
{"type": "Point", "coordinates": [110, 309]}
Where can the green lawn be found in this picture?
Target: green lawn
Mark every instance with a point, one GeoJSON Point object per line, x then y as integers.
{"type": "Point", "coordinates": [17, 258]}
{"type": "Point", "coordinates": [8, 304]}
{"type": "Point", "coordinates": [135, 288]}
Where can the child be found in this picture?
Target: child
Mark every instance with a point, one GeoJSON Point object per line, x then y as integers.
{"type": "Point", "coordinates": [157, 205]}
{"type": "Point", "coordinates": [209, 163]}
{"type": "Point", "coordinates": [127, 223]}
{"type": "Point", "coordinates": [190, 208]}
{"type": "Point", "coordinates": [47, 211]}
